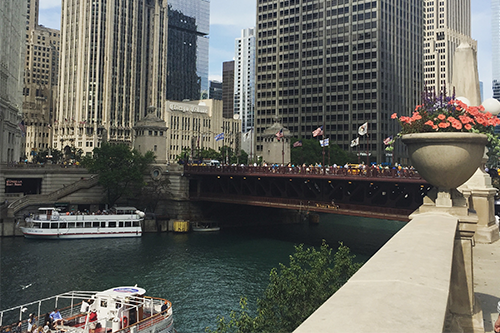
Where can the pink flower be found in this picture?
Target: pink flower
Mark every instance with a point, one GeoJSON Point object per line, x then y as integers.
{"type": "Point", "coordinates": [394, 115]}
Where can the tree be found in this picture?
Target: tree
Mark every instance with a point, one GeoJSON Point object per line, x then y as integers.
{"type": "Point", "coordinates": [294, 292]}
{"type": "Point", "coordinates": [120, 169]}
{"type": "Point", "coordinates": [183, 157]}
{"type": "Point", "coordinates": [311, 152]}
{"type": "Point", "coordinates": [153, 192]}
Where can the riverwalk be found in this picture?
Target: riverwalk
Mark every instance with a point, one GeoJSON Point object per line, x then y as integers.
{"type": "Point", "coordinates": [487, 280]}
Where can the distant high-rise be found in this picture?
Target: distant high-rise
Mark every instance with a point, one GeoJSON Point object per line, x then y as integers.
{"type": "Point", "coordinates": [113, 70]}
{"type": "Point", "coordinates": [338, 64]}
{"type": "Point", "coordinates": [228, 89]}
{"type": "Point", "coordinates": [188, 29]}
{"type": "Point", "coordinates": [447, 24]}
{"type": "Point", "coordinates": [244, 78]}
{"type": "Point", "coordinates": [495, 47]}
{"type": "Point", "coordinates": [40, 82]}
{"type": "Point", "coordinates": [215, 90]}
{"type": "Point", "coordinates": [12, 49]}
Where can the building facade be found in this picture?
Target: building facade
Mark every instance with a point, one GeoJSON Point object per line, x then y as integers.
{"type": "Point", "coordinates": [228, 88]}
{"type": "Point", "coordinates": [447, 24]}
{"type": "Point", "coordinates": [193, 126]}
{"type": "Point", "coordinates": [188, 29]}
{"type": "Point", "coordinates": [40, 82]}
{"type": "Point", "coordinates": [113, 68]}
{"type": "Point", "coordinates": [12, 50]}
{"type": "Point", "coordinates": [338, 64]}
{"type": "Point", "coordinates": [244, 79]}
{"type": "Point", "coordinates": [215, 90]}
{"type": "Point", "coordinates": [495, 47]}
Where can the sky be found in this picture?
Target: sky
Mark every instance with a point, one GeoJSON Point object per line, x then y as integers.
{"type": "Point", "coordinates": [229, 17]}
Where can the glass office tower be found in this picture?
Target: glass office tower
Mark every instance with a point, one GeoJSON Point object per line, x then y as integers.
{"type": "Point", "coordinates": [188, 29]}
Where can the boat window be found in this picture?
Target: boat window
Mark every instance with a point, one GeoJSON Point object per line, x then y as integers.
{"type": "Point", "coordinates": [37, 225]}
{"type": "Point", "coordinates": [120, 224]}
{"type": "Point", "coordinates": [103, 224]}
{"type": "Point", "coordinates": [128, 223]}
{"type": "Point", "coordinates": [71, 224]}
{"type": "Point", "coordinates": [118, 305]}
{"type": "Point", "coordinates": [95, 224]}
{"type": "Point", "coordinates": [53, 225]}
{"type": "Point", "coordinates": [112, 224]}
{"type": "Point", "coordinates": [136, 223]}
{"type": "Point", "coordinates": [104, 303]}
{"type": "Point", "coordinates": [88, 224]}
{"type": "Point", "coordinates": [45, 225]}
{"type": "Point", "coordinates": [62, 225]}
{"type": "Point", "coordinates": [79, 224]}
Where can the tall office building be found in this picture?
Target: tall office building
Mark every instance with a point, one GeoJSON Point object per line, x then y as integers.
{"type": "Point", "coordinates": [215, 90]}
{"type": "Point", "coordinates": [228, 89]}
{"type": "Point", "coordinates": [188, 29]}
{"type": "Point", "coordinates": [447, 24]}
{"type": "Point", "coordinates": [12, 48]}
{"type": "Point", "coordinates": [244, 78]}
{"type": "Point", "coordinates": [113, 69]}
{"type": "Point", "coordinates": [495, 47]}
{"type": "Point", "coordinates": [40, 82]}
{"type": "Point", "coordinates": [338, 64]}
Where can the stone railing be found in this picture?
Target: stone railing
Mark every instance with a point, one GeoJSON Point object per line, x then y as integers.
{"type": "Point", "coordinates": [407, 286]}
{"type": "Point", "coordinates": [28, 200]}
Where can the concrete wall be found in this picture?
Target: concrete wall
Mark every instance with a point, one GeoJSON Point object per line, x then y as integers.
{"type": "Point", "coordinates": [404, 287]}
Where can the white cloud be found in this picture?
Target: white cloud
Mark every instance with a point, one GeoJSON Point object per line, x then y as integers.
{"type": "Point", "coordinates": [237, 13]}
{"type": "Point", "coordinates": [48, 4]}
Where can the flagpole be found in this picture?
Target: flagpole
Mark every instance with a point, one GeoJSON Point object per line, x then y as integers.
{"type": "Point", "coordinates": [283, 151]}
{"type": "Point", "coordinates": [367, 149]}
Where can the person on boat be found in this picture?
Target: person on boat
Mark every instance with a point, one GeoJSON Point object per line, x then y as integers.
{"type": "Point", "coordinates": [56, 317]}
{"type": "Point", "coordinates": [17, 328]}
{"type": "Point", "coordinates": [85, 306]}
{"type": "Point", "coordinates": [48, 321]}
{"type": "Point", "coordinates": [31, 323]}
{"type": "Point", "coordinates": [92, 320]}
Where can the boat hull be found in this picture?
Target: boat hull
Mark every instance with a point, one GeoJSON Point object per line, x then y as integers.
{"type": "Point", "coordinates": [201, 229]}
{"type": "Point", "coordinates": [82, 233]}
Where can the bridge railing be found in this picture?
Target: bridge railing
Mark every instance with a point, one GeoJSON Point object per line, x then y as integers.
{"type": "Point", "coordinates": [370, 172]}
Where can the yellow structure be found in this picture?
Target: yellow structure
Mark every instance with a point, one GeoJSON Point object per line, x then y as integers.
{"type": "Point", "coordinates": [181, 226]}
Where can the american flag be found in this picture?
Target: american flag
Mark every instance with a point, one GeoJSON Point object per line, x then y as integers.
{"type": "Point", "coordinates": [279, 135]}
{"type": "Point", "coordinates": [388, 141]}
{"type": "Point", "coordinates": [297, 144]}
{"type": "Point", "coordinates": [318, 131]}
{"type": "Point", "coordinates": [23, 128]}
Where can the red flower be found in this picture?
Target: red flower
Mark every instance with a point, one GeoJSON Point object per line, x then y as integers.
{"type": "Point", "coordinates": [441, 116]}
{"type": "Point", "coordinates": [394, 115]}
{"type": "Point", "coordinates": [444, 124]}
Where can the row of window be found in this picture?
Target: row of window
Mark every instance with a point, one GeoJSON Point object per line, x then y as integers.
{"type": "Point", "coordinates": [95, 224]}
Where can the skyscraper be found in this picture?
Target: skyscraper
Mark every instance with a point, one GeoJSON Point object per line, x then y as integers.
{"type": "Point", "coordinates": [228, 89]}
{"type": "Point", "coordinates": [495, 47]}
{"type": "Point", "coordinates": [447, 23]}
{"type": "Point", "coordinates": [244, 78]}
{"type": "Point", "coordinates": [338, 64]}
{"type": "Point", "coordinates": [40, 82]}
{"type": "Point", "coordinates": [188, 29]}
{"type": "Point", "coordinates": [12, 48]}
{"type": "Point", "coordinates": [113, 69]}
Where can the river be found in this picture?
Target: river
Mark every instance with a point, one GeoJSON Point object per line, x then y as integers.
{"type": "Point", "coordinates": [202, 274]}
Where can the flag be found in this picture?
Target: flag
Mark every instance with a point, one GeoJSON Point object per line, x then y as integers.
{"type": "Point", "coordinates": [279, 135]}
{"type": "Point", "coordinates": [355, 142]}
{"type": "Point", "coordinates": [388, 141]}
{"type": "Point", "coordinates": [219, 137]}
{"type": "Point", "coordinates": [363, 129]}
{"type": "Point", "coordinates": [325, 142]}
{"type": "Point", "coordinates": [297, 144]}
{"type": "Point", "coordinates": [23, 128]}
{"type": "Point", "coordinates": [318, 131]}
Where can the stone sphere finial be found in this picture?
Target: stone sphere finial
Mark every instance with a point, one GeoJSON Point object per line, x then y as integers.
{"type": "Point", "coordinates": [491, 105]}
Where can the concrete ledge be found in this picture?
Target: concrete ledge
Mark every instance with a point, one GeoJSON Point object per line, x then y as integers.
{"type": "Point", "coordinates": [404, 287]}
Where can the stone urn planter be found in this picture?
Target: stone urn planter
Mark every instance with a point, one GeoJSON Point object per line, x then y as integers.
{"type": "Point", "coordinates": [445, 159]}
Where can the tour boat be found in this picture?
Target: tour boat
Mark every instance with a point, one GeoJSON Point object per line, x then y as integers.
{"type": "Point", "coordinates": [49, 223]}
{"type": "Point", "coordinates": [121, 309]}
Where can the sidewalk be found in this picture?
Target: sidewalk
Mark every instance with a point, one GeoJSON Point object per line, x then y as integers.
{"type": "Point", "coordinates": [487, 280]}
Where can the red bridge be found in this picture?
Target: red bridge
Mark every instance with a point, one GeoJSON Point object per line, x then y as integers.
{"type": "Point", "coordinates": [372, 192]}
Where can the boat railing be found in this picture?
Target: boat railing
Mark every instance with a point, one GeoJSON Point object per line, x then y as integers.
{"type": "Point", "coordinates": [68, 304]}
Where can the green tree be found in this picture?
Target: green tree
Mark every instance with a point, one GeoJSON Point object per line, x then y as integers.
{"type": "Point", "coordinates": [294, 292]}
{"type": "Point", "coordinates": [120, 169]}
{"type": "Point", "coordinates": [210, 154]}
{"type": "Point", "coordinates": [183, 157]}
{"type": "Point", "coordinates": [311, 152]}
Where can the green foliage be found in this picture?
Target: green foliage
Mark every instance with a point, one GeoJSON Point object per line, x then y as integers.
{"type": "Point", "coordinates": [311, 152]}
{"type": "Point", "coordinates": [183, 157]}
{"type": "Point", "coordinates": [46, 155]}
{"type": "Point", "coordinates": [120, 169]}
{"type": "Point", "coordinates": [294, 292]}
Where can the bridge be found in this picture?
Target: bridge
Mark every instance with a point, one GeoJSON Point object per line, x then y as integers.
{"type": "Point", "coordinates": [370, 192]}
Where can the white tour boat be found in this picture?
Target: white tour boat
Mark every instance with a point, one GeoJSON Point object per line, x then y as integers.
{"type": "Point", "coordinates": [205, 227]}
{"type": "Point", "coordinates": [48, 223]}
{"type": "Point", "coordinates": [121, 309]}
